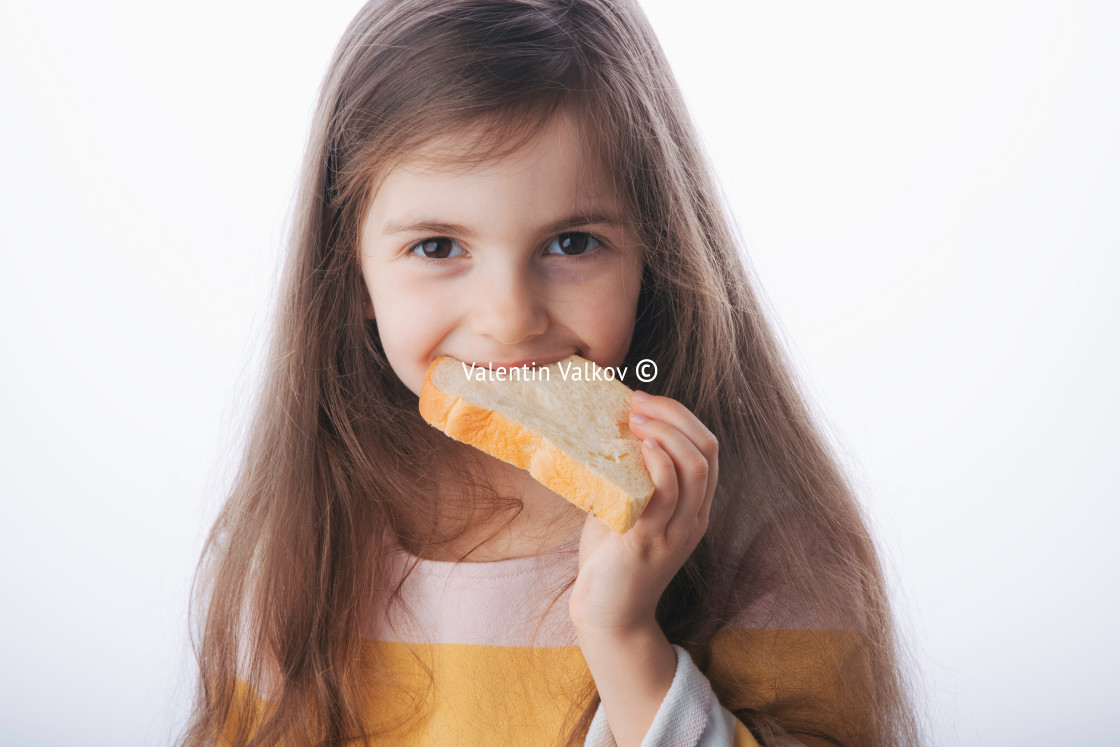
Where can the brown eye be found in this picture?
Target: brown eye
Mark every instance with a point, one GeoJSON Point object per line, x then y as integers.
{"type": "Point", "coordinates": [573, 243]}
{"type": "Point", "coordinates": [439, 247]}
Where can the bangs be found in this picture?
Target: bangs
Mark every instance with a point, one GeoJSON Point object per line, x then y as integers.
{"type": "Point", "coordinates": [493, 135]}
{"type": "Point", "coordinates": [465, 144]}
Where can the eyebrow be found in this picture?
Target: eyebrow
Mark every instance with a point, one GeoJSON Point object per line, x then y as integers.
{"type": "Point", "coordinates": [429, 226]}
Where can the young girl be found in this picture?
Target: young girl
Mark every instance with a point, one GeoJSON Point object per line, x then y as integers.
{"type": "Point", "coordinates": [508, 182]}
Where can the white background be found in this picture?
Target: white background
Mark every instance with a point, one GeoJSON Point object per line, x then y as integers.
{"type": "Point", "coordinates": [929, 196]}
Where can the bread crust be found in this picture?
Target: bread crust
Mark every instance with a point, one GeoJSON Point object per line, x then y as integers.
{"type": "Point", "coordinates": [497, 435]}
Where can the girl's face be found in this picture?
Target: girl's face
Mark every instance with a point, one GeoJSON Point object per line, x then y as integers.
{"type": "Point", "coordinates": [514, 261]}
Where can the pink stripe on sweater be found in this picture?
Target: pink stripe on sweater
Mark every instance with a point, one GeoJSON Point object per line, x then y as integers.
{"type": "Point", "coordinates": [498, 603]}
{"type": "Point", "coordinates": [501, 603]}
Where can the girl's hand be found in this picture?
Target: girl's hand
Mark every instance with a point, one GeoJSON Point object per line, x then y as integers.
{"type": "Point", "coordinates": [622, 576]}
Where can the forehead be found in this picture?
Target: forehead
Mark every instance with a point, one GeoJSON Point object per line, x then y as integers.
{"type": "Point", "coordinates": [561, 149]}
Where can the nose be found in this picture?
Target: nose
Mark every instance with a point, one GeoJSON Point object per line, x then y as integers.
{"type": "Point", "coordinates": [507, 306]}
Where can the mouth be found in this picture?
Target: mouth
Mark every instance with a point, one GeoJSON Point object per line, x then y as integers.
{"type": "Point", "coordinates": [529, 362]}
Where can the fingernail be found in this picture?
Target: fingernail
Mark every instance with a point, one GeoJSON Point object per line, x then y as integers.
{"type": "Point", "coordinates": [636, 418]}
{"type": "Point", "coordinates": [640, 396]}
{"type": "Point", "coordinates": [651, 443]}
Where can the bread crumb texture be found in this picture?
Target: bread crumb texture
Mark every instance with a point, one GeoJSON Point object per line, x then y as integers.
{"type": "Point", "coordinates": [571, 435]}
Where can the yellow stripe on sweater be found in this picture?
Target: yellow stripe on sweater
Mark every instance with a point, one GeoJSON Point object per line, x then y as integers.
{"type": "Point", "coordinates": [814, 682]}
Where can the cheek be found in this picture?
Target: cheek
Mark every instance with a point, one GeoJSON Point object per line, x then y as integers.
{"type": "Point", "coordinates": [398, 295]}
{"type": "Point", "coordinates": [614, 298]}
{"type": "Point", "coordinates": [408, 321]}
{"type": "Point", "coordinates": [606, 311]}
{"type": "Point", "coordinates": [605, 314]}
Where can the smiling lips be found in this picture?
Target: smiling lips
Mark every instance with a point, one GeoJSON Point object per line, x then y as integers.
{"type": "Point", "coordinates": [533, 362]}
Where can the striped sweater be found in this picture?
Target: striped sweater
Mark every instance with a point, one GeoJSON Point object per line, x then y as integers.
{"type": "Point", "coordinates": [485, 653]}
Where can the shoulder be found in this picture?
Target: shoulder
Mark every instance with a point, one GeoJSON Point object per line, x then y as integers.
{"type": "Point", "coordinates": [799, 574]}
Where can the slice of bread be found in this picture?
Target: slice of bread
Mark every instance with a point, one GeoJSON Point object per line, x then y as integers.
{"type": "Point", "coordinates": [568, 427]}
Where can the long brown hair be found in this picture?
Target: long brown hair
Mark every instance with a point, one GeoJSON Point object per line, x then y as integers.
{"type": "Point", "coordinates": [336, 453]}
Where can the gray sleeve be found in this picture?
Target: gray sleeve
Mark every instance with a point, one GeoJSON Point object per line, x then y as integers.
{"type": "Point", "coordinates": [690, 715]}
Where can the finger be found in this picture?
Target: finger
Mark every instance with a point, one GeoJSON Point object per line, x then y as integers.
{"type": "Point", "coordinates": [663, 503]}
{"type": "Point", "coordinates": [709, 490]}
{"type": "Point", "coordinates": [671, 411]}
{"type": "Point", "coordinates": [677, 415]}
{"type": "Point", "coordinates": [690, 465]}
